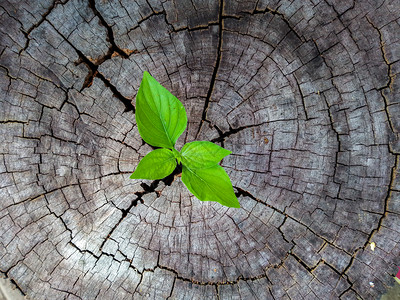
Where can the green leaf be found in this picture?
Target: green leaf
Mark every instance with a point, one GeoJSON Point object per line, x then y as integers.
{"type": "Point", "coordinates": [157, 164]}
{"type": "Point", "coordinates": [160, 116]}
{"type": "Point", "coordinates": [197, 155]}
{"type": "Point", "coordinates": [210, 184]}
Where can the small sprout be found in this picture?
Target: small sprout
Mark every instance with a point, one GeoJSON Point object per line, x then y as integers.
{"type": "Point", "coordinates": [161, 119]}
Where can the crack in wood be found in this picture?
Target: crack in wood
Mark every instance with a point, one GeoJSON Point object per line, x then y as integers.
{"type": "Point", "coordinates": [172, 288]}
{"type": "Point", "coordinates": [384, 214]}
{"type": "Point", "coordinates": [302, 97]}
{"type": "Point", "coordinates": [281, 15]}
{"type": "Point", "coordinates": [216, 68]}
{"type": "Point", "coordinates": [389, 83]}
{"type": "Point", "coordinates": [16, 285]}
{"type": "Point", "coordinates": [263, 12]}
{"type": "Point", "coordinates": [145, 19]}
{"type": "Point", "coordinates": [110, 34]}
{"type": "Point", "coordinates": [212, 283]}
{"type": "Point", "coordinates": [93, 72]}
{"type": "Point", "coordinates": [231, 131]}
{"type": "Point", "coordinates": [147, 189]}
{"type": "Point", "coordinates": [339, 15]}
{"type": "Point", "coordinates": [43, 18]}
{"type": "Point", "coordinates": [177, 276]}
{"type": "Point", "coordinates": [390, 80]}
{"type": "Point", "coordinates": [241, 192]}
{"type": "Point", "coordinates": [217, 291]}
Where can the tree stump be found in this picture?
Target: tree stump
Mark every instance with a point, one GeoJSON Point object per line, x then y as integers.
{"type": "Point", "coordinates": [304, 93]}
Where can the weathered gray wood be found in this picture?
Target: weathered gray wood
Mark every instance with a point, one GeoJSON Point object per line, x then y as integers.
{"type": "Point", "coordinates": [304, 93]}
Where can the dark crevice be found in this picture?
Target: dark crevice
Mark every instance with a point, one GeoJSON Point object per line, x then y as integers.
{"type": "Point", "coordinates": [110, 34]}
{"type": "Point", "coordinates": [13, 282]}
{"type": "Point", "coordinates": [170, 178]}
{"type": "Point", "coordinates": [383, 215]}
{"type": "Point", "coordinates": [44, 16]}
{"type": "Point", "coordinates": [311, 269]}
{"type": "Point", "coordinates": [177, 276]}
{"type": "Point", "coordinates": [147, 189]}
{"type": "Point", "coordinates": [145, 19]}
{"type": "Point", "coordinates": [8, 73]}
{"type": "Point", "coordinates": [139, 283]}
{"type": "Point", "coordinates": [344, 276]}
{"type": "Point", "coordinates": [17, 286]}
{"type": "Point", "coordinates": [332, 122]}
{"type": "Point", "coordinates": [203, 283]}
{"type": "Point", "coordinates": [127, 102]}
{"type": "Point", "coordinates": [269, 289]}
{"type": "Point", "coordinates": [232, 17]}
{"type": "Point", "coordinates": [172, 289]}
{"type": "Point", "coordinates": [389, 83]}
{"type": "Point", "coordinates": [197, 28]}
{"type": "Point", "coordinates": [339, 146]}
{"type": "Point", "coordinates": [166, 20]}
{"type": "Point", "coordinates": [93, 69]}
{"type": "Point", "coordinates": [13, 121]}
{"type": "Point", "coordinates": [114, 50]}
{"type": "Point", "coordinates": [66, 101]}
{"type": "Point", "coordinates": [93, 72]}
{"type": "Point", "coordinates": [69, 293]}
{"type": "Point", "coordinates": [283, 234]}
{"type": "Point", "coordinates": [339, 15]}
{"type": "Point", "coordinates": [91, 253]}
{"type": "Point", "coordinates": [216, 68]}
{"type": "Point", "coordinates": [221, 138]}
{"type": "Point", "coordinates": [350, 288]}
{"type": "Point", "coordinates": [281, 15]}
{"type": "Point", "coordinates": [223, 135]}
{"type": "Point", "coordinates": [217, 292]}
{"type": "Point", "coordinates": [302, 97]}
{"type": "Point", "coordinates": [89, 79]}
{"type": "Point", "coordinates": [303, 264]}
{"type": "Point", "coordinates": [242, 192]}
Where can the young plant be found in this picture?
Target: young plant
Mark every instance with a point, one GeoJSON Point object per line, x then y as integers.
{"type": "Point", "coordinates": [161, 119]}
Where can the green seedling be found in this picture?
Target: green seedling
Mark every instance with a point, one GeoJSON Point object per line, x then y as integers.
{"type": "Point", "coordinates": [161, 119]}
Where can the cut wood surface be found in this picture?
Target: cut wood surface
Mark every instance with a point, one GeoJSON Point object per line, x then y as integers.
{"type": "Point", "coordinates": [305, 93]}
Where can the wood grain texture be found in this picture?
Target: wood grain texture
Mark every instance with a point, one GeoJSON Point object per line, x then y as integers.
{"type": "Point", "coordinates": [306, 94]}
